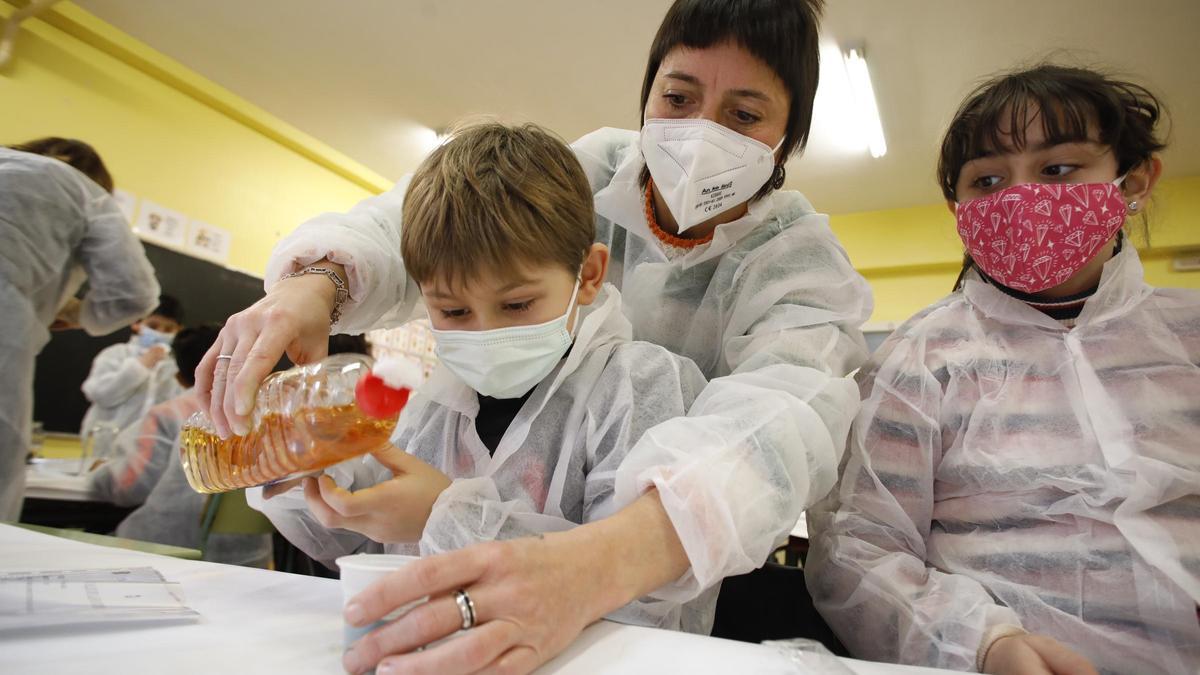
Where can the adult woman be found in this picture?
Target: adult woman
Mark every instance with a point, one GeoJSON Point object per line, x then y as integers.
{"type": "Point", "coordinates": [748, 282]}
{"type": "Point", "coordinates": [60, 227]}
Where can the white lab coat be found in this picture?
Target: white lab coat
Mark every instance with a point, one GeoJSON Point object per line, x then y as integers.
{"type": "Point", "coordinates": [553, 469]}
{"type": "Point", "coordinates": [770, 310]}
{"type": "Point", "coordinates": [122, 390]}
{"type": "Point", "coordinates": [57, 228]}
{"type": "Point", "coordinates": [1006, 470]}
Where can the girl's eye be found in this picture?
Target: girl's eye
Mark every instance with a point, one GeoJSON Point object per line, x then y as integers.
{"type": "Point", "coordinates": [986, 182]}
{"type": "Point", "coordinates": [1058, 170]}
{"type": "Point", "coordinates": [453, 313]}
{"type": "Point", "coordinates": [518, 306]}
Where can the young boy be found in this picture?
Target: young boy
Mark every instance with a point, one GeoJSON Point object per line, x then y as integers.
{"type": "Point", "coordinates": [539, 393]}
{"type": "Point", "coordinates": [128, 379]}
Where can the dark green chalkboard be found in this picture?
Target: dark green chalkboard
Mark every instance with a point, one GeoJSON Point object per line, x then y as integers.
{"type": "Point", "coordinates": [208, 292]}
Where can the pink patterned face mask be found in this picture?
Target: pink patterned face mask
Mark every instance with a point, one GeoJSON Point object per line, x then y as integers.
{"type": "Point", "coordinates": [1035, 236]}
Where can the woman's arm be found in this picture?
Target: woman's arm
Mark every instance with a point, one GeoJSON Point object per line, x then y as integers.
{"type": "Point", "coordinates": [122, 286]}
{"type": "Point", "coordinates": [763, 442]}
{"type": "Point", "coordinates": [362, 247]}
{"type": "Point", "coordinates": [533, 596]}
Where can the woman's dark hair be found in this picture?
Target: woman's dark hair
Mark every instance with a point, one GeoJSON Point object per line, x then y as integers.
{"type": "Point", "coordinates": [189, 347]}
{"type": "Point", "coordinates": [780, 33]}
{"type": "Point", "coordinates": [1071, 104]}
{"type": "Point", "coordinates": [74, 152]}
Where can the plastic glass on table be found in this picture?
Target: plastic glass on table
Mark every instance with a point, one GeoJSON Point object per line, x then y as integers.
{"type": "Point", "coordinates": [362, 570]}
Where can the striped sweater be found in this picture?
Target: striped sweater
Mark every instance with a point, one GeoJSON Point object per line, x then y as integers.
{"type": "Point", "coordinates": [1007, 469]}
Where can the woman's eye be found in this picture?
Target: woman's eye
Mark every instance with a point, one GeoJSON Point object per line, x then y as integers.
{"type": "Point", "coordinates": [1058, 170]}
{"type": "Point", "coordinates": [676, 100]}
{"type": "Point", "coordinates": [453, 313]}
{"type": "Point", "coordinates": [986, 182]}
{"type": "Point", "coordinates": [745, 117]}
{"type": "Point", "coordinates": [518, 306]}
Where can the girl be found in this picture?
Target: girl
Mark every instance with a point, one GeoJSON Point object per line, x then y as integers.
{"type": "Point", "coordinates": [1022, 492]}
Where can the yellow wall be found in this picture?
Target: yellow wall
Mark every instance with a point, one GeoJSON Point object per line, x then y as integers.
{"type": "Point", "coordinates": [168, 135]}
{"type": "Point", "coordinates": [911, 257]}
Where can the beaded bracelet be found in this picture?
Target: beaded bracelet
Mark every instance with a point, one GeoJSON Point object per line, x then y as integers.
{"type": "Point", "coordinates": [340, 294]}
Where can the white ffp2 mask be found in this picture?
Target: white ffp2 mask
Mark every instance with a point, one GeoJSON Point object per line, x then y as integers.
{"type": "Point", "coordinates": [703, 169]}
{"type": "Point", "coordinates": [506, 362]}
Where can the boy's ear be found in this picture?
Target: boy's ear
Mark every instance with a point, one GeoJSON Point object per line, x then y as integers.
{"type": "Point", "coordinates": [1141, 179]}
{"type": "Point", "coordinates": [592, 274]}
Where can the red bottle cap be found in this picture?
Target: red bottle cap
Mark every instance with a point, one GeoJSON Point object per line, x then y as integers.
{"type": "Point", "coordinates": [378, 400]}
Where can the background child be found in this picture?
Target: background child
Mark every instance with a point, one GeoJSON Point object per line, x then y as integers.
{"type": "Point", "coordinates": [170, 511]}
{"type": "Point", "coordinates": [127, 379]}
{"type": "Point", "coordinates": [540, 392]}
{"type": "Point", "coordinates": [1022, 487]}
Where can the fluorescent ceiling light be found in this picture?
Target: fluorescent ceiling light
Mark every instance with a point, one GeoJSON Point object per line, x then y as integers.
{"type": "Point", "coordinates": [865, 108]}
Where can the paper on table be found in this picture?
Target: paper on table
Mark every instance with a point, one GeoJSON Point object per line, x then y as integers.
{"type": "Point", "coordinates": [43, 599]}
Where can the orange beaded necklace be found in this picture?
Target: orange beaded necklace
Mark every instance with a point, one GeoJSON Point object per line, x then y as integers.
{"type": "Point", "coordinates": [666, 237]}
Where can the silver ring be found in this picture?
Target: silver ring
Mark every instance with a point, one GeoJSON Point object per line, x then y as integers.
{"type": "Point", "coordinates": [466, 607]}
{"type": "Point", "coordinates": [225, 356]}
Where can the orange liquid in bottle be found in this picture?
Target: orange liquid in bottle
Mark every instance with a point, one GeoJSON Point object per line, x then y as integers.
{"type": "Point", "coordinates": [280, 447]}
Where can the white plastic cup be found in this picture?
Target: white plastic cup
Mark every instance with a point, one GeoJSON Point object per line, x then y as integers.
{"type": "Point", "coordinates": [362, 570]}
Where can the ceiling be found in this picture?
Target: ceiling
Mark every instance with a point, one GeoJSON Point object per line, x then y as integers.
{"type": "Point", "coordinates": [365, 76]}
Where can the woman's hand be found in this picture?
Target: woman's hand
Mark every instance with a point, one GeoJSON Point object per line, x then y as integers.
{"type": "Point", "coordinates": [392, 511]}
{"type": "Point", "coordinates": [1034, 655]}
{"type": "Point", "coordinates": [293, 317]}
{"type": "Point", "coordinates": [532, 596]}
{"type": "Point", "coordinates": [68, 315]}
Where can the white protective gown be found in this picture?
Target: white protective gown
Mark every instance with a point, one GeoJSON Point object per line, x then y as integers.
{"type": "Point", "coordinates": [770, 310]}
{"type": "Point", "coordinates": [150, 474]}
{"type": "Point", "coordinates": [57, 228]}
{"type": "Point", "coordinates": [1006, 470]}
{"type": "Point", "coordinates": [553, 469]}
{"type": "Point", "coordinates": [122, 390]}
{"type": "Point", "coordinates": [143, 452]}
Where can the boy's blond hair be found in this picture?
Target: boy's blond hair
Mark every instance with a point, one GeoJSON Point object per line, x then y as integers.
{"type": "Point", "coordinates": [495, 196]}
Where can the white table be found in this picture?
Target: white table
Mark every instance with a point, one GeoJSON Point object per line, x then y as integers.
{"type": "Point", "coordinates": [46, 480]}
{"type": "Point", "coordinates": [256, 621]}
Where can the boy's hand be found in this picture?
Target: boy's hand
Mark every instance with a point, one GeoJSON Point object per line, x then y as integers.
{"type": "Point", "coordinates": [391, 512]}
{"type": "Point", "coordinates": [152, 356]}
{"type": "Point", "coordinates": [1034, 655]}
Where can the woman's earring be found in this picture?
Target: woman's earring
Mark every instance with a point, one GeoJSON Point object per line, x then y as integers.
{"type": "Point", "coordinates": [1134, 206]}
{"type": "Point", "coordinates": [778, 176]}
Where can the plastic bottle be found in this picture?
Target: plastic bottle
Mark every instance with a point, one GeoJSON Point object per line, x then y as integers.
{"type": "Point", "coordinates": [304, 419]}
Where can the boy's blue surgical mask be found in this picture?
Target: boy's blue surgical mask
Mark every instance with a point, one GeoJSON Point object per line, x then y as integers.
{"type": "Point", "coordinates": [506, 362]}
{"type": "Point", "coordinates": [148, 337]}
